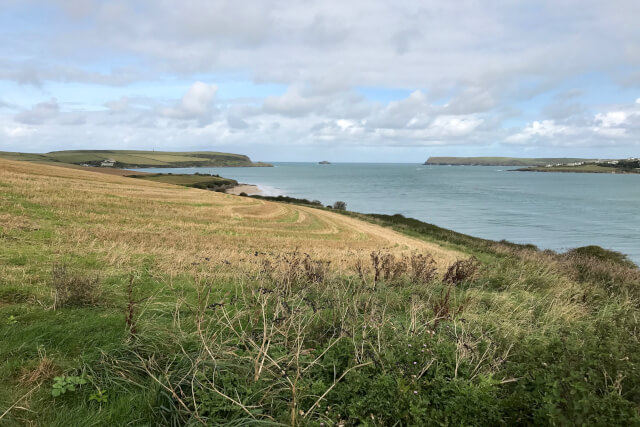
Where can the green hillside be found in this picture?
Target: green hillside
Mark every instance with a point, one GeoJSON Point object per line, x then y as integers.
{"type": "Point", "coordinates": [133, 302]}
{"type": "Point", "coordinates": [202, 181]}
{"type": "Point", "coordinates": [141, 159]}
{"type": "Point", "coordinates": [500, 161]}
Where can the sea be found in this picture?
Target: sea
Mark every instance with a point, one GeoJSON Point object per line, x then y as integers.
{"type": "Point", "coordinates": [557, 211]}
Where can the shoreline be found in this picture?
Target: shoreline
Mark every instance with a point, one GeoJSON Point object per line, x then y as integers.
{"type": "Point", "coordinates": [613, 171]}
{"type": "Point", "coordinates": [249, 189]}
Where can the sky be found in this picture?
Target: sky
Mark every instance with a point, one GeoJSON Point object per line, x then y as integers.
{"type": "Point", "coordinates": [353, 81]}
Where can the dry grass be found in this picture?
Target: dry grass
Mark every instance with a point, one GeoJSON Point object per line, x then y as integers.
{"type": "Point", "coordinates": [121, 219]}
{"type": "Point", "coordinates": [45, 370]}
{"type": "Point", "coordinates": [94, 169]}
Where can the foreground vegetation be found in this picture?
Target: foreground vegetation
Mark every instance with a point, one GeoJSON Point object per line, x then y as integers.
{"type": "Point", "coordinates": [137, 159]}
{"type": "Point", "coordinates": [127, 301]}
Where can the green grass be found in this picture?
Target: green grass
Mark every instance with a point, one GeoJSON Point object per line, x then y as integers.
{"type": "Point", "coordinates": [133, 158]}
{"type": "Point", "coordinates": [212, 182]}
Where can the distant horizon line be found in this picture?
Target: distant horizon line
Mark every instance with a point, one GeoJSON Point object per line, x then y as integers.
{"type": "Point", "coordinates": [333, 161]}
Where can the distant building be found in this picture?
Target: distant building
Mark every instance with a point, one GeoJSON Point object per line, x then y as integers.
{"type": "Point", "coordinates": [108, 163]}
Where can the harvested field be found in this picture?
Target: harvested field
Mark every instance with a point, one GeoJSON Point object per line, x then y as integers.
{"type": "Point", "coordinates": [121, 219]}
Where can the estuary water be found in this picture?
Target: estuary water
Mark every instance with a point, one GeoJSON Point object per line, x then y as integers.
{"type": "Point", "coordinates": [556, 211]}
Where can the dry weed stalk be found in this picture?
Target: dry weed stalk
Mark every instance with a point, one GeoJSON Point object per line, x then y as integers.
{"type": "Point", "coordinates": [461, 270]}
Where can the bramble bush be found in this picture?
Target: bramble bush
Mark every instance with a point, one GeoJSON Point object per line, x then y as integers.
{"type": "Point", "coordinates": [299, 348]}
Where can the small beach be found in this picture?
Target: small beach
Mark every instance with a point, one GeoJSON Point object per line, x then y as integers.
{"type": "Point", "coordinates": [251, 190]}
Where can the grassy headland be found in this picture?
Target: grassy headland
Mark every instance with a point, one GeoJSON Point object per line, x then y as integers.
{"type": "Point", "coordinates": [198, 180]}
{"type": "Point", "coordinates": [138, 159]}
{"type": "Point", "coordinates": [149, 303]}
{"type": "Point", "coordinates": [499, 161]}
{"type": "Point", "coordinates": [611, 166]}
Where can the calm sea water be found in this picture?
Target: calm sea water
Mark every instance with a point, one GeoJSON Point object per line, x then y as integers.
{"type": "Point", "coordinates": [551, 210]}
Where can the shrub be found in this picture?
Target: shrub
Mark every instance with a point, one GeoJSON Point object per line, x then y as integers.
{"type": "Point", "coordinates": [461, 270]}
{"type": "Point", "coordinates": [340, 205]}
{"type": "Point", "coordinates": [601, 254]}
{"type": "Point", "coordinates": [423, 268]}
{"type": "Point", "coordinates": [287, 199]}
{"type": "Point", "coordinates": [73, 289]}
{"type": "Point", "coordinates": [308, 349]}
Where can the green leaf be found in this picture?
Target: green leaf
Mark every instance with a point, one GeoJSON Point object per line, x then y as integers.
{"type": "Point", "coordinates": [55, 392]}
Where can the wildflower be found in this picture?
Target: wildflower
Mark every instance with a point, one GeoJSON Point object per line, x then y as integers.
{"type": "Point", "coordinates": [415, 363]}
{"type": "Point", "coordinates": [415, 391]}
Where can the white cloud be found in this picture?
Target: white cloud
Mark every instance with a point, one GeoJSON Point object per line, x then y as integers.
{"type": "Point", "coordinates": [18, 131]}
{"type": "Point", "coordinates": [611, 118]}
{"type": "Point", "coordinates": [538, 129]}
{"type": "Point", "coordinates": [198, 99]}
{"type": "Point", "coordinates": [197, 103]}
{"type": "Point", "coordinates": [455, 126]}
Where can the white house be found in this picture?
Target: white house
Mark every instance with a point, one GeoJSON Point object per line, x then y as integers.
{"type": "Point", "coordinates": [107, 163]}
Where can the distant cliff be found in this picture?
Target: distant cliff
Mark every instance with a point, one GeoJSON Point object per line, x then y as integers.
{"type": "Point", "coordinates": [138, 159]}
{"type": "Point", "coordinates": [500, 161]}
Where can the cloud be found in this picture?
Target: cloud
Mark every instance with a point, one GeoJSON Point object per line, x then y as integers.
{"type": "Point", "coordinates": [294, 103]}
{"type": "Point", "coordinates": [611, 118]}
{"type": "Point", "coordinates": [446, 126]}
{"type": "Point", "coordinates": [73, 119]}
{"type": "Point", "coordinates": [197, 103]}
{"type": "Point", "coordinates": [118, 106]}
{"type": "Point", "coordinates": [472, 100]}
{"type": "Point", "coordinates": [412, 44]}
{"type": "Point", "coordinates": [236, 122]}
{"type": "Point", "coordinates": [509, 74]}
{"type": "Point", "coordinates": [18, 131]}
{"type": "Point", "coordinates": [6, 105]}
{"type": "Point", "coordinates": [617, 127]}
{"type": "Point", "coordinates": [410, 111]}
{"type": "Point", "coordinates": [538, 129]}
{"type": "Point", "coordinates": [39, 113]}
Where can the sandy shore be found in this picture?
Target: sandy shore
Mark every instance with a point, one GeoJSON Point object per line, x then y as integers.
{"type": "Point", "coordinates": [245, 188]}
